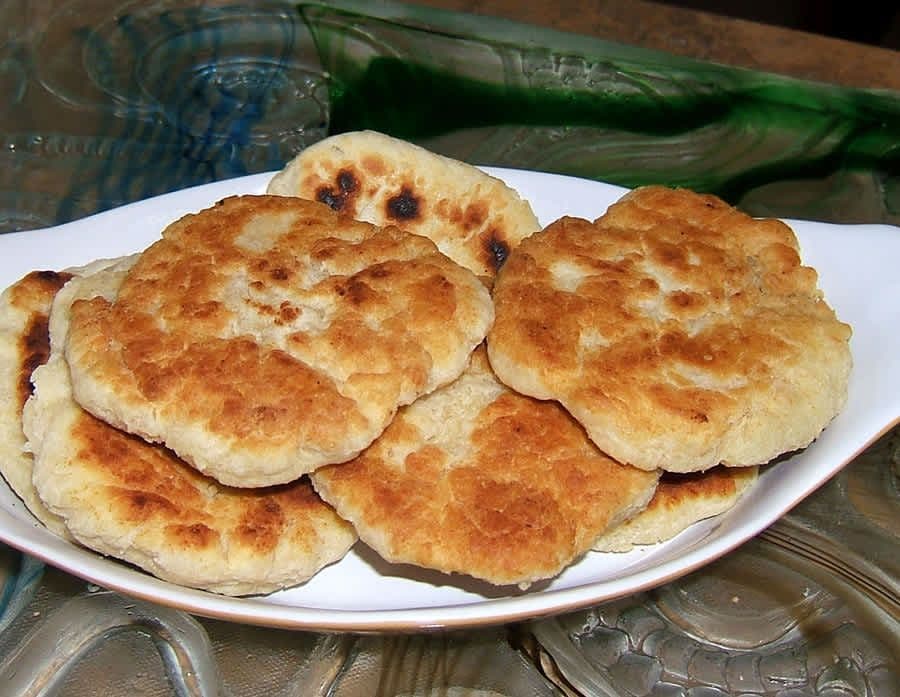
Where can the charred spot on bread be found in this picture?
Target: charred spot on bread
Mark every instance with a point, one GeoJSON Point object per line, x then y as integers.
{"type": "Point", "coordinates": [336, 197]}
{"type": "Point", "coordinates": [497, 250]}
{"type": "Point", "coordinates": [403, 206]}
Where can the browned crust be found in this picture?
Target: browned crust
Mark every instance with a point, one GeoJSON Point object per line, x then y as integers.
{"type": "Point", "coordinates": [680, 490]}
{"type": "Point", "coordinates": [147, 490]}
{"type": "Point", "coordinates": [287, 333]}
{"type": "Point", "coordinates": [680, 331]}
{"type": "Point", "coordinates": [513, 499]}
{"type": "Point", "coordinates": [33, 295]}
{"type": "Point", "coordinates": [474, 218]}
{"type": "Point", "coordinates": [680, 501]}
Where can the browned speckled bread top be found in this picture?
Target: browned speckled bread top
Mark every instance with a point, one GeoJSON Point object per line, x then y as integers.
{"type": "Point", "coordinates": [479, 480]}
{"type": "Point", "coordinates": [679, 331]}
{"type": "Point", "coordinates": [24, 345]}
{"type": "Point", "coordinates": [124, 497]}
{"type": "Point", "coordinates": [474, 218]}
{"type": "Point", "coordinates": [680, 501]}
{"type": "Point", "coordinates": [266, 336]}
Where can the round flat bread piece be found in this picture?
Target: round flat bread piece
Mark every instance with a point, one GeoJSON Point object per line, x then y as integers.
{"type": "Point", "coordinates": [680, 501]}
{"type": "Point", "coordinates": [136, 501]}
{"type": "Point", "coordinates": [679, 331]}
{"type": "Point", "coordinates": [474, 218]}
{"type": "Point", "coordinates": [268, 335]}
{"type": "Point", "coordinates": [476, 479]}
{"type": "Point", "coordinates": [24, 345]}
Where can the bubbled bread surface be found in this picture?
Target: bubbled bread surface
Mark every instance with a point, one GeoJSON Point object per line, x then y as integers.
{"type": "Point", "coordinates": [479, 480]}
{"type": "Point", "coordinates": [474, 218]}
{"type": "Point", "coordinates": [122, 496]}
{"type": "Point", "coordinates": [266, 336]}
{"type": "Point", "coordinates": [679, 331]}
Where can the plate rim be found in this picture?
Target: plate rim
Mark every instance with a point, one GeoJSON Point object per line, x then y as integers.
{"type": "Point", "coordinates": [132, 581]}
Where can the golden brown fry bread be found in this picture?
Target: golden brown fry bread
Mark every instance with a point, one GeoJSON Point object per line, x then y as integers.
{"type": "Point", "coordinates": [479, 480]}
{"type": "Point", "coordinates": [679, 331]}
{"type": "Point", "coordinates": [474, 218]}
{"type": "Point", "coordinates": [24, 345]}
{"type": "Point", "coordinates": [127, 498]}
{"type": "Point", "coordinates": [680, 501]}
{"type": "Point", "coordinates": [266, 336]}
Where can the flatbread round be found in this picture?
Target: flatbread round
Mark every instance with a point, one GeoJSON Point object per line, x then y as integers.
{"type": "Point", "coordinates": [479, 480]}
{"type": "Point", "coordinates": [474, 218]}
{"type": "Point", "coordinates": [679, 331]}
{"type": "Point", "coordinates": [24, 345]}
{"type": "Point", "coordinates": [127, 498]}
{"type": "Point", "coordinates": [680, 501]}
{"type": "Point", "coordinates": [266, 336]}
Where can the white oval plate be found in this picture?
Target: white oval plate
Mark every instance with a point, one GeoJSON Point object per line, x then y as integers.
{"type": "Point", "coordinates": [858, 268]}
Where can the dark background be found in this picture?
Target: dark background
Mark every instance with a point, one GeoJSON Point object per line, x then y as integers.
{"type": "Point", "coordinates": [875, 23]}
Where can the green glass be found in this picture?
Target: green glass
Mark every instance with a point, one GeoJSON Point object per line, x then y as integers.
{"type": "Point", "coordinates": [498, 93]}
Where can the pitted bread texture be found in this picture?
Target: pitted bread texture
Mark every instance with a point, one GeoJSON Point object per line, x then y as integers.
{"type": "Point", "coordinates": [24, 346]}
{"type": "Point", "coordinates": [473, 217]}
{"type": "Point", "coordinates": [679, 331]}
{"type": "Point", "coordinates": [122, 496]}
{"type": "Point", "coordinates": [267, 336]}
{"type": "Point", "coordinates": [680, 501]}
{"type": "Point", "coordinates": [479, 480]}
